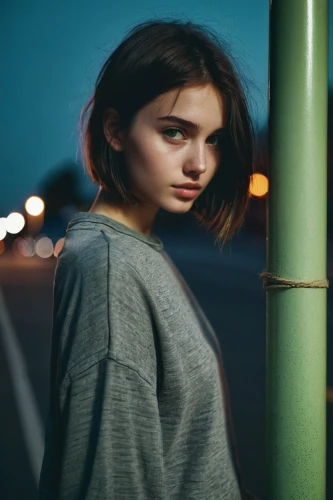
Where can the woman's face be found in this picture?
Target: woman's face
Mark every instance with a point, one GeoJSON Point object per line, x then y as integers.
{"type": "Point", "coordinates": [169, 144]}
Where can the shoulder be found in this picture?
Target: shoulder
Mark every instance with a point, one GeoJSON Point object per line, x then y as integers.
{"type": "Point", "coordinates": [100, 303]}
{"type": "Point", "coordinates": [92, 255]}
{"type": "Point", "coordinates": [83, 252]}
{"type": "Point", "coordinates": [98, 285]}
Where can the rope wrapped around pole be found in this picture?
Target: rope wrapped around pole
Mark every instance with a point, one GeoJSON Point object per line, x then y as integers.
{"type": "Point", "coordinates": [273, 282]}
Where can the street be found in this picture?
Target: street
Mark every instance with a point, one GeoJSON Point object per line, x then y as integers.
{"type": "Point", "coordinates": [228, 287]}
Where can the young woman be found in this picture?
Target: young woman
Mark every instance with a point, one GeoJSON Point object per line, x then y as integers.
{"type": "Point", "coordinates": [138, 404]}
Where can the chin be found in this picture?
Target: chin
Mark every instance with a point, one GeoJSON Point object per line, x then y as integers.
{"type": "Point", "coordinates": [178, 207]}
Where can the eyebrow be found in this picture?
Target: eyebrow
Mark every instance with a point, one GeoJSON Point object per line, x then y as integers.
{"type": "Point", "coordinates": [187, 123]}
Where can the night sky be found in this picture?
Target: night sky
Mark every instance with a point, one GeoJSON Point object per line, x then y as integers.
{"type": "Point", "coordinates": [51, 52]}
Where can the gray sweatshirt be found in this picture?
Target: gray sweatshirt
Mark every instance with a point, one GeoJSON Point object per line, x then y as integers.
{"type": "Point", "coordinates": [137, 406]}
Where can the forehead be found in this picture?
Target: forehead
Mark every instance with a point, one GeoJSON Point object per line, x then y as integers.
{"type": "Point", "coordinates": [199, 104]}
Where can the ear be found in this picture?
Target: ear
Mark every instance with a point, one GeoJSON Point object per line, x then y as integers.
{"type": "Point", "coordinates": [112, 129]}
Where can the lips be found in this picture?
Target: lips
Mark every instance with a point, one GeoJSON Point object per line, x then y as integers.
{"type": "Point", "coordinates": [186, 193]}
{"type": "Point", "coordinates": [188, 185]}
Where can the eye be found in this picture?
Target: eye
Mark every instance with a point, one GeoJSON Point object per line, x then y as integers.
{"type": "Point", "coordinates": [172, 132]}
{"type": "Point", "coordinates": [216, 140]}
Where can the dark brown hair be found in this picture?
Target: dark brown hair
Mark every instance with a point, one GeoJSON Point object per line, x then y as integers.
{"type": "Point", "coordinates": [154, 58]}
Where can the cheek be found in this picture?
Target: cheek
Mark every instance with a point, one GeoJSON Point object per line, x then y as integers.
{"type": "Point", "coordinates": [216, 161]}
{"type": "Point", "coordinates": [147, 157]}
{"type": "Point", "coordinates": [143, 148]}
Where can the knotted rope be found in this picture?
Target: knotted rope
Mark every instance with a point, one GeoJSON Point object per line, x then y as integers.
{"type": "Point", "coordinates": [271, 282]}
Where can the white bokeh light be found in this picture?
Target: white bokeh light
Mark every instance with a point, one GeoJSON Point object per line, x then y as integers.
{"type": "Point", "coordinates": [26, 247]}
{"type": "Point", "coordinates": [34, 205]}
{"type": "Point", "coordinates": [14, 223]}
{"type": "Point", "coordinates": [44, 247]}
{"type": "Point", "coordinates": [3, 233]}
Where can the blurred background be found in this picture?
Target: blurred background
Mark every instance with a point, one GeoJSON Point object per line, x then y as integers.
{"type": "Point", "coordinates": [51, 53]}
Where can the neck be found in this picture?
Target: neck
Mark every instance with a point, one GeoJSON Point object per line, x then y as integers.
{"type": "Point", "coordinates": [139, 217]}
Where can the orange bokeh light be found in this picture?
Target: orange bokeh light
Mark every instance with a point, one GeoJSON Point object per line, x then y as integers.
{"type": "Point", "coordinates": [258, 185]}
{"type": "Point", "coordinates": [59, 246]}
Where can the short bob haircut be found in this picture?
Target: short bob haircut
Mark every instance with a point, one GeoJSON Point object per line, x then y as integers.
{"type": "Point", "coordinates": [154, 58]}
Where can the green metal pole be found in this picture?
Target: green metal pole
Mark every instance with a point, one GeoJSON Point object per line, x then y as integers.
{"type": "Point", "coordinates": [296, 317]}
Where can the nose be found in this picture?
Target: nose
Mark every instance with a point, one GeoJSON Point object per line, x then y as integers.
{"type": "Point", "coordinates": [196, 160]}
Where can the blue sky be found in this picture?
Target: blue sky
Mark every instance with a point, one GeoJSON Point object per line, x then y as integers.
{"type": "Point", "coordinates": [52, 52]}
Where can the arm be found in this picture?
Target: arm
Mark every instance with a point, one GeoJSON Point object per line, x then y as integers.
{"type": "Point", "coordinates": [110, 429]}
{"type": "Point", "coordinates": [103, 438]}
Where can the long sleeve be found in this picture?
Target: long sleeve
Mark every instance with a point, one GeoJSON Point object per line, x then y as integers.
{"type": "Point", "coordinates": [111, 436]}
{"type": "Point", "coordinates": [103, 436]}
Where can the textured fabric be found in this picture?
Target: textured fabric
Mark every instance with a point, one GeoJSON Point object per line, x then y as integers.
{"type": "Point", "coordinates": [136, 398]}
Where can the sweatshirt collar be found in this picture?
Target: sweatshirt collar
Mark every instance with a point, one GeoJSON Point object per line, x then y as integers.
{"type": "Point", "coordinates": [103, 220]}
